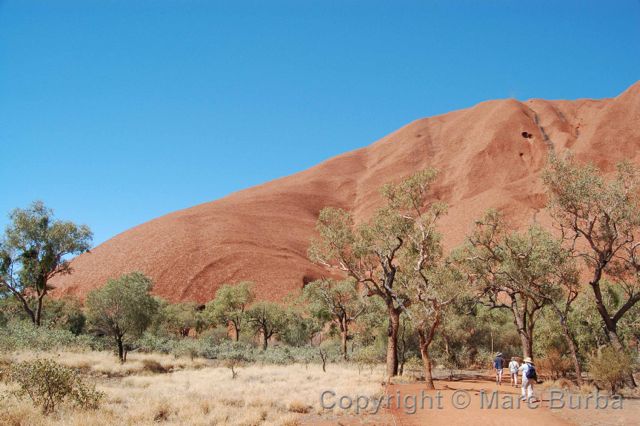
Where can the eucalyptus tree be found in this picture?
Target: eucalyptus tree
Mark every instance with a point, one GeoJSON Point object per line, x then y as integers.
{"type": "Point", "coordinates": [268, 319]}
{"type": "Point", "coordinates": [428, 281]}
{"type": "Point", "coordinates": [492, 260]}
{"type": "Point", "coordinates": [230, 305]}
{"type": "Point", "coordinates": [599, 219]}
{"type": "Point", "coordinates": [369, 253]}
{"type": "Point", "coordinates": [338, 302]}
{"type": "Point", "coordinates": [34, 249]}
{"type": "Point", "coordinates": [123, 309]}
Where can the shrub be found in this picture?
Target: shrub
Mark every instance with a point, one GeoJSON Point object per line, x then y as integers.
{"type": "Point", "coordinates": [18, 335]}
{"type": "Point", "coordinates": [153, 366]}
{"type": "Point", "coordinates": [610, 368]}
{"type": "Point", "coordinates": [368, 356]}
{"type": "Point", "coordinates": [48, 384]}
{"type": "Point", "coordinates": [554, 365]}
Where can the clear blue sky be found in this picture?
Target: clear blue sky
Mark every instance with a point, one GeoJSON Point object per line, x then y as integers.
{"type": "Point", "coordinates": [116, 112]}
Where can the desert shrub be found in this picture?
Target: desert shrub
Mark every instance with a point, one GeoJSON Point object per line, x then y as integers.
{"type": "Point", "coordinates": [150, 342]}
{"type": "Point", "coordinates": [368, 356]}
{"type": "Point", "coordinates": [18, 335]}
{"type": "Point", "coordinates": [153, 366]}
{"type": "Point", "coordinates": [65, 314]}
{"type": "Point", "coordinates": [554, 365]}
{"type": "Point", "coordinates": [414, 366]}
{"type": "Point", "coordinates": [48, 384]}
{"type": "Point", "coordinates": [484, 358]}
{"type": "Point", "coordinates": [609, 368]}
{"type": "Point", "coordinates": [300, 407]}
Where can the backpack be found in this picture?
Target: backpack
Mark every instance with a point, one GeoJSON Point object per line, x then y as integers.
{"type": "Point", "coordinates": [531, 373]}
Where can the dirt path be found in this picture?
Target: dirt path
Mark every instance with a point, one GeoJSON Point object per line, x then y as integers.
{"type": "Point", "coordinates": [469, 402]}
{"type": "Point", "coordinates": [480, 402]}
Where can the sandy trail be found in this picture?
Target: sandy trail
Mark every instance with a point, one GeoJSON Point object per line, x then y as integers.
{"type": "Point", "coordinates": [504, 409]}
{"type": "Point", "coordinates": [484, 406]}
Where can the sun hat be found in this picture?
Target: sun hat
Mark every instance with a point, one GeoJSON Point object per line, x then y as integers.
{"type": "Point", "coordinates": [527, 359]}
{"type": "Point", "coordinates": [499, 354]}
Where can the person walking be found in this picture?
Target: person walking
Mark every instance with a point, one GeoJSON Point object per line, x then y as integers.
{"type": "Point", "coordinates": [513, 371]}
{"type": "Point", "coordinates": [529, 377]}
{"type": "Point", "coordinates": [498, 365]}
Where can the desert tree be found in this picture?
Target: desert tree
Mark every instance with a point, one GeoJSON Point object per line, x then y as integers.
{"type": "Point", "coordinates": [177, 319]}
{"type": "Point", "coordinates": [267, 319]}
{"type": "Point", "coordinates": [599, 219]}
{"type": "Point", "coordinates": [122, 309]}
{"type": "Point", "coordinates": [428, 282]}
{"type": "Point", "coordinates": [230, 305]}
{"type": "Point", "coordinates": [369, 254]}
{"type": "Point", "coordinates": [491, 259]}
{"type": "Point", "coordinates": [538, 264]}
{"type": "Point", "coordinates": [34, 249]}
{"type": "Point", "coordinates": [432, 291]}
{"type": "Point", "coordinates": [338, 302]}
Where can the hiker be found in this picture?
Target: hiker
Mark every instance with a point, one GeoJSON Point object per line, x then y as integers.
{"type": "Point", "coordinates": [514, 366]}
{"type": "Point", "coordinates": [498, 365]}
{"type": "Point", "coordinates": [529, 377]}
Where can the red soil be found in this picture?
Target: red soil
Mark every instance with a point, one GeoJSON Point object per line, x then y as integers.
{"type": "Point", "coordinates": [262, 233]}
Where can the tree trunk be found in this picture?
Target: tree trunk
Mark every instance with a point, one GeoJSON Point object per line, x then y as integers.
{"type": "Point", "coordinates": [237, 329]}
{"type": "Point", "coordinates": [571, 343]}
{"type": "Point", "coordinates": [38, 316]}
{"type": "Point", "coordinates": [610, 325]}
{"type": "Point", "coordinates": [343, 336]}
{"type": "Point", "coordinates": [426, 360]}
{"type": "Point", "coordinates": [392, 341]}
{"type": "Point", "coordinates": [526, 339]}
{"type": "Point", "coordinates": [265, 341]}
{"type": "Point", "coordinates": [527, 344]}
{"type": "Point", "coordinates": [120, 349]}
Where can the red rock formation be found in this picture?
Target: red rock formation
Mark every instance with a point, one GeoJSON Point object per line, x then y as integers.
{"type": "Point", "coordinates": [490, 155]}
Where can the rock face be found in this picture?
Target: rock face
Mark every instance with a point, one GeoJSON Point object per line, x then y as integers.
{"type": "Point", "coordinates": [489, 156]}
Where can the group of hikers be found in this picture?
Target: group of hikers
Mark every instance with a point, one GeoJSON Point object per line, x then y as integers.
{"type": "Point", "coordinates": [529, 375]}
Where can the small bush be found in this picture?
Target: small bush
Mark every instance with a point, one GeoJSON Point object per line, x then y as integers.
{"type": "Point", "coordinates": [299, 407]}
{"type": "Point", "coordinates": [554, 365]}
{"type": "Point", "coordinates": [48, 384]}
{"type": "Point", "coordinates": [153, 366]}
{"type": "Point", "coordinates": [368, 356]}
{"type": "Point", "coordinates": [22, 335]}
{"type": "Point", "coordinates": [610, 368]}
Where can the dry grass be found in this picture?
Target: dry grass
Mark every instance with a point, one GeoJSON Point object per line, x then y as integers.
{"type": "Point", "coordinates": [193, 392]}
{"type": "Point", "coordinates": [105, 364]}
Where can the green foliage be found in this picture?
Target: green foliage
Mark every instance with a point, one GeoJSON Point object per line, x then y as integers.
{"type": "Point", "coordinates": [177, 319]}
{"type": "Point", "coordinates": [123, 308]}
{"type": "Point", "coordinates": [34, 250]}
{"type": "Point", "coordinates": [600, 219]}
{"type": "Point", "coordinates": [268, 319]}
{"type": "Point", "coordinates": [610, 367]}
{"type": "Point", "coordinates": [299, 329]}
{"type": "Point", "coordinates": [23, 335]}
{"type": "Point", "coordinates": [65, 313]}
{"type": "Point", "coordinates": [368, 356]}
{"type": "Point", "coordinates": [230, 305]}
{"type": "Point", "coordinates": [48, 384]}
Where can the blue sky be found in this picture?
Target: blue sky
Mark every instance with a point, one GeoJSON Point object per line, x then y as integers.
{"type": "Point", "coordinates": [116, 112]}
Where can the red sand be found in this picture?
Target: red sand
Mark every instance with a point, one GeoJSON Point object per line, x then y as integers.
{"type": "Point", "coordinates": [483, 408]}
{"type": "Point", "coordinates": [262, 233]}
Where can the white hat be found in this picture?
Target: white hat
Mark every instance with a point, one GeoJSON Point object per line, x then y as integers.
{"type": "Point", "coordinates": [527, 359]}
